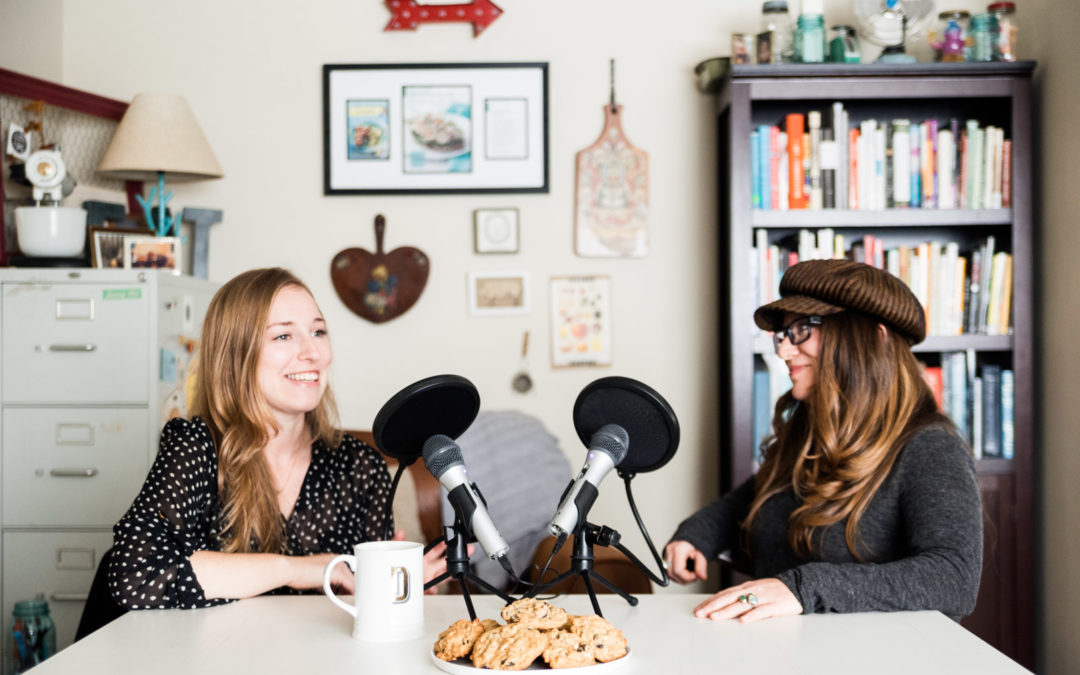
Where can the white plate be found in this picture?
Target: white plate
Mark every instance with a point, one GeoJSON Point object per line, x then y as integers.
{"type": "Point", "coordinates": [465, 667]}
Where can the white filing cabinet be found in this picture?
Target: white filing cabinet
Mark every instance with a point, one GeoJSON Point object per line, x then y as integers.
{"type": "Point", "coordinates": [91, 366]}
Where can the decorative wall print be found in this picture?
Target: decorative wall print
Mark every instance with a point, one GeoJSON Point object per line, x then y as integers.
{"type": "Point", "coordinates": [498, 293]}
{"type": "Point", "coordinates": [380, 286]}
{"type": "Point", "coordinates": [495, 230]}
{"type": "Point", "coordinates": [611, 198]}
{"type": "Point", "coordinates": [409, 14]}
{"type": "Point", "coordinates": [581, 321]}
{"type": "Point", "coordinates": [435, 128]}
{"type": "Point", "coordinates": [438, 129]}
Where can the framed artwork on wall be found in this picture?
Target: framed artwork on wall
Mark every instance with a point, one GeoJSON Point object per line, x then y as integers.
{"type": "Point", "coordinates": [498, 293]}
{"type": "Point", "coordinates": [581, 321]}
{"type": "Point", "coordinates": [495, 230]}
{"type": "Point", "coordinates": [428, 128]}
{"type": "Point", "coordinates": [152, 252]}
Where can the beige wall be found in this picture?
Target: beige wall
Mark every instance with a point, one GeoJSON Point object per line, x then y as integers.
{"type": "Point", "coordinates": [1051, 33]}
{"type": "Point", "coordinates": [251, 71]}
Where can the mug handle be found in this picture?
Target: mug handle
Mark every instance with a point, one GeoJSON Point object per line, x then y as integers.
{"type": "Point", "coordinates": [350, 560]}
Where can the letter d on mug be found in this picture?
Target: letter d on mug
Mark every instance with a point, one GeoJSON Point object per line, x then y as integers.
{"type": "Point", "coordinates": [389, 602]}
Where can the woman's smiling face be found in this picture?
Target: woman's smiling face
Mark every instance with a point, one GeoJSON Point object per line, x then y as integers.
{"type": "Point", "coordinates": [801, 359]}
{"type": "Point", "coordinates": [296, 354]}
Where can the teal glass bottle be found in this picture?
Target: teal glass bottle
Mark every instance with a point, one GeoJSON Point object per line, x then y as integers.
{"type": "Point", "coordinates": [33, 634]}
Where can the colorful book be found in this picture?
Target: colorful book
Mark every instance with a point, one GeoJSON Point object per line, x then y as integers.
{"type": "Point", "coordinates": [1008, 430]}
{"type": "Point", "coordinates": [793, 125]}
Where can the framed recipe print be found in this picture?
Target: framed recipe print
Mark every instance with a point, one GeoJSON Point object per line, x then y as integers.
{"type": "Point", "coordinates": [435, 128]}
{"type": "Point", "coordinates": [580, 321]}
{"type": "Point", "coordinates": [498, 293]}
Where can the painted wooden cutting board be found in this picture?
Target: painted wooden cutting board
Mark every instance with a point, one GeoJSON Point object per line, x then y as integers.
{"type": "Point", "coordinates": [380, 286]}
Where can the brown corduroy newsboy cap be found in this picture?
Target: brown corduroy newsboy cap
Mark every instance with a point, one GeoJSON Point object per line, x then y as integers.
{"type": "Point", "coordinates": [824, 287]}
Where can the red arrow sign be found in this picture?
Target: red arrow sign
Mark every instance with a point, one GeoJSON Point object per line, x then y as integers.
{"type": "Point", "coordinates": [408, 14]}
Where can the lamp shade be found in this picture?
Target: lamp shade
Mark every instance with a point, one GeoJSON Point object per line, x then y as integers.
{"type": "Point", "coordinates": [159, 133]}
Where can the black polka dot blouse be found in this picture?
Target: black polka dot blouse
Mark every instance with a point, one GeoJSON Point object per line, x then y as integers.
{"type": "Point", "coordinates": [342, 502]}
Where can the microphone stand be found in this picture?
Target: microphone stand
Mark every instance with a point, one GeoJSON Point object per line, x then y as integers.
{"type": "Point", "coordinates": [458, 566]}
{"type": "Point", "coordinates": [582, 560]}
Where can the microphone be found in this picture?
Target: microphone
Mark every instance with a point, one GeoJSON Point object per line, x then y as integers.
{"type": "Point", "coordinates": [607, 447]}
{"type": "Point", "coordinates": [443, 458]}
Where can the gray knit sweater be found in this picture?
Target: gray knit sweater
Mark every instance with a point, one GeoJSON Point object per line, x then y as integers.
{"type": "Point", "coordinates": [921, 534]}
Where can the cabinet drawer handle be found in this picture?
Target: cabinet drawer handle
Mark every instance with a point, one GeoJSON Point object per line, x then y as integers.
{"type": "Point", "coordinates": [68, 597]}
{"type": "Point", "coordinates": [72, 348]}
{"type": "Point", "coordinates": [73, 473]}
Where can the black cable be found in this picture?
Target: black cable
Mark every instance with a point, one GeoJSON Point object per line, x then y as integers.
{"type": "Point", "coordinates": [663, 579]}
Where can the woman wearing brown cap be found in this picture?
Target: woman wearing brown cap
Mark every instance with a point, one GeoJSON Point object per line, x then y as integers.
{"type": "Point", "coordinates": [866, 499]}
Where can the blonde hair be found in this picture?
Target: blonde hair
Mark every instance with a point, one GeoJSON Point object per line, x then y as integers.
{"type": "Point", "coordinates": [228, 399]}
{"type": "Point", "coordinates": [835, 449]}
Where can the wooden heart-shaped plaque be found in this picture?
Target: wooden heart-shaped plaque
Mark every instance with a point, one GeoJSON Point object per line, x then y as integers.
{"type": "Point", "coordinates": [380, 286]}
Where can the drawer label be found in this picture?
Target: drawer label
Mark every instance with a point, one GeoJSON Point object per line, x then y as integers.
{"type": "Point", "coordinates": [121, 294]}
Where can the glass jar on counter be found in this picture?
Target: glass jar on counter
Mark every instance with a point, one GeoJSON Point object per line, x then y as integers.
{"type": "Point", "coordinates": [776, 20]}
{"type": "Point", "coordinates": [810, 38]}
{"type": "Point", "coordinates": [1005, 13]}
{"type": "Point", "coordinates": [984, 37]}
{"type": "Point", "coordinates": [33, 635]}
{"type": "Point", "coordinates": [948, 37]}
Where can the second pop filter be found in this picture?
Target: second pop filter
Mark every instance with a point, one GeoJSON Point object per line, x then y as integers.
{"type": "Point", "coordinates": [636, 407]}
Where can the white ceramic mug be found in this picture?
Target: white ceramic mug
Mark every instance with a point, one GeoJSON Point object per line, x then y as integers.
{"type": "Point", "coordinates": [388, 600]}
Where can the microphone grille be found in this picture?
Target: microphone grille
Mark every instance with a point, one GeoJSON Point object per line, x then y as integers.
{"type": "Point", "coordinates": [612, 439]}
{"type": "Point", "coordinates": [440, 453]}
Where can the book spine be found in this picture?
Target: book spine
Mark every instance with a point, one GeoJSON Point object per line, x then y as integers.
{"type": "Point", "coordinates": [1008, 430]}
{"type": "Point", "coordinates": [946, 195]}
{"type": "Point", "coordinates": [794, 127]}
{"type": "Point", "coordinates": [901, 150]}
{"type": "Point", "coordinates": [774, 168]}
{"type": "Point", "coordinates": [853, 169]}
{"type": "Point", "coordinates": [978, 429]}
{"type": "Point", "coordinates": [765, 164]}
{"type": "Point", "coordinates": [914, 174]}
{"type": "Point", "coordinates": [1004, 318]}
{"type": "Point", "coordinates": [932, 375]}
{"type": "Point", "coordinates": [984, 283]}
{"type": "Point", "coordinates": [755, 170]}
{"type": "Point", "coordinates": [879, 168]}
{"type": "Point", "coordinates": [1006, 174]}
{"type": "Point", "coordinates": [929, 198]}
{"type": "Point", "coordinates": [971, 321]}
{"type": "Point", "coordinates": [815, 197]}
{"type": "Point", "coordinates": [890, 166]}
{"type": "Point", "coordinates": [839, 134]}
{"type": "Point", "coordinates": [830, 163]}
{"type": "Point", "coordinates": [991, 410]}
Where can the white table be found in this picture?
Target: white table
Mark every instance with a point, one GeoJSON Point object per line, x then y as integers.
{"type": "Point", "coordinates": [309, 635]}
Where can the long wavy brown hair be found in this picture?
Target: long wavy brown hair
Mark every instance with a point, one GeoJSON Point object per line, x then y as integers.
{"type": "Point", "coordinates": [835, 449]}
{"type": "Point", "coordinates": [228, 399]}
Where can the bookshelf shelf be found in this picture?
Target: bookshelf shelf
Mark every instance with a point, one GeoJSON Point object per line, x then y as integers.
{"type": "Point", "coordinates": [996, 94]}
{"type": "Point", "coordinates": [837, 218]}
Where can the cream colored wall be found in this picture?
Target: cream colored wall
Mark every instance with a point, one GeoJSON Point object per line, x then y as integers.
{"type": "Point", "coordinates": [1050, 35]}
{"type": "Point", "coordinates": [251, 71]}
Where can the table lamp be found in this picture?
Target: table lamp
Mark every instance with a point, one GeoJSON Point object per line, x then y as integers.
{"type": "Point", "coordinates": [157, 135]}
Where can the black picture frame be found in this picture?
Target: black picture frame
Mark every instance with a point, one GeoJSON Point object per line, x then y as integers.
{"type": "Point", "coordinates": [426, 128]}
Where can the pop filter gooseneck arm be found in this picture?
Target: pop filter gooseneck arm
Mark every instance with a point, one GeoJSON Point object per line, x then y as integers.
{"type": "Point", "coordinates": [442, 404]}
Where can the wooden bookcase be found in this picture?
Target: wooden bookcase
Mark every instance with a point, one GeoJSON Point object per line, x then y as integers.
{"type": "Point", "coordinates": [997, 93]}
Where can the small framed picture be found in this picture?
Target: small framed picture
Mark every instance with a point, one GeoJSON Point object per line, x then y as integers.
{"type": "Point", "coordinates": [495, 230]}
{"type": "Point", "coordinates": [742, 48]}
{"type": "Point", "coordinates": [498, 293]}
{"type": "Point", "coordinates": [144, 251]}
{"type": "Point", "coordinates": [107, 247]}
{"type": "Point", "coordinates": [581, 321]}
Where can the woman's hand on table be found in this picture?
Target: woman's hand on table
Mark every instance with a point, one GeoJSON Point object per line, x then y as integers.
{"type": "Point", "coordinates": [758, 599]}
{"type": "Point", "coordinates": [685, 563]}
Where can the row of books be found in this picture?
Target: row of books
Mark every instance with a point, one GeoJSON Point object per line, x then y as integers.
{"type": "Point", "coordinates": [979, 401]}
{"type": "Point", "coordinates": [961, 293]}
{"type": "Point", "coordinates": [879, 164]}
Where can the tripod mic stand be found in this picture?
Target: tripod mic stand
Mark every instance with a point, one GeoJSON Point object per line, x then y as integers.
{"type": "Point", "coordinates": [458, 567]}
{"type": "Point", "coordinates": [586, 536]}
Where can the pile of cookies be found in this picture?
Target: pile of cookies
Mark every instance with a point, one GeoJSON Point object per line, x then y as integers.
{"type": "Point", "coordinates": [534, 629]}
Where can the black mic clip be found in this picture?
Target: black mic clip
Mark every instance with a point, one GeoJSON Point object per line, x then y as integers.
{"type": "Point", "coordinates": [601, 535]}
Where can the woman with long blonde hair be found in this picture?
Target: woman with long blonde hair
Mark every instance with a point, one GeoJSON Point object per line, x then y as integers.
{"type": "Point", "coordinates": [259, 489]}
{"type": "Point", "coordinates": [866, 497]}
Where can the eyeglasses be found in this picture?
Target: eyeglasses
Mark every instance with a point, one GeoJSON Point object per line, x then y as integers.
{"type": "Point", "coordinates": [796, 332]}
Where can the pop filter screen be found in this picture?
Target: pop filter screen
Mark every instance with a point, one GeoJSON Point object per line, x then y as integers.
{"type": "Point", "coordinates": [646, 416]}
{"type": "Point", "coordinates": [443, 404]}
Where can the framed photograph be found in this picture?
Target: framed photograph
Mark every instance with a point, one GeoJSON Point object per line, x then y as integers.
{"type": "Point", "coordinates": [498, 293]}
{"type": "Point", "coordinates": [107, 247]}
{"type": "Point", "coordinates": [495, 230]}
{"type": "Point", "coordinates": [427, 128]}
{"type": "Point", "coordinates": [146, 251]}
{"type": "Point", "coordinates": [580, 321]}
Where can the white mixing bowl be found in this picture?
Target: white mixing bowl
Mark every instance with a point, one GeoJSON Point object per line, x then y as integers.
{"type": "Point", "coordinates": [50, 231]}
